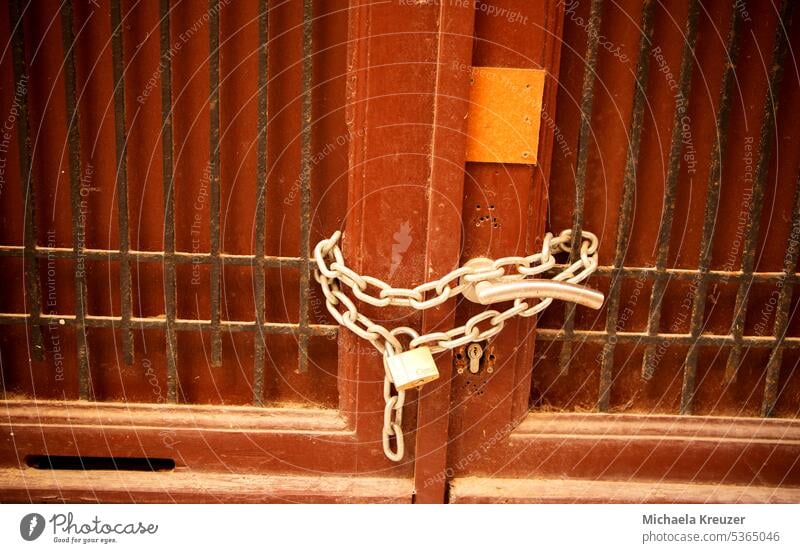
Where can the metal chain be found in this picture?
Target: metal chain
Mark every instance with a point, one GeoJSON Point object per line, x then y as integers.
{"type": "Point", "coordinates": [392, 413]}
{"type": "Point", "coordinates": [333, 276]}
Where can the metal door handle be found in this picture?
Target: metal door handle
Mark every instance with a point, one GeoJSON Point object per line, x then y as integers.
{"type": "Point", "coordinates": [487, 292]}
{"type": "Point", "coordinates": [497, 290]}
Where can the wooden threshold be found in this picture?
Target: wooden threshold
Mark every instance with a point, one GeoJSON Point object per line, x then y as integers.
{"type": "Point", "coordinates": [30, 485]}
{"type": "Point", "coordinates": [518, 490]}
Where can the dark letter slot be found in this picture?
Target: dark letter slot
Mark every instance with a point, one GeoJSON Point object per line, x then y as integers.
{"type": "Point", "coordinates": [76, 462]}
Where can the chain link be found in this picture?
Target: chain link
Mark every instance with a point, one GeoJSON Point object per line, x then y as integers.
{"type": "Point", "coordinates": [334, 277]}
{"type": "Point", "coordinates": [392, 412]}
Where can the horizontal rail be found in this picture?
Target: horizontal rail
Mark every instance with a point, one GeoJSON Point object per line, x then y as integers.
{"type": "Point", "coordinates": [104, 321]}
{"type": "Point", "coordinates": [601, 336]}
{"type": "Point", "coordinates": [627, 272]}
{"type": "Point", "coordinates": [155, 256]}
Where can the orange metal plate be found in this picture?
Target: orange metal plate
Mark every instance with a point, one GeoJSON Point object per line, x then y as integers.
{"type": "Point", "coordinates": [505, 115]}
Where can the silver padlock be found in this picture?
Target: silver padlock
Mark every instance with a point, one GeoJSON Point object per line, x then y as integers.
{"type": "Point", "coordinates": [412, 368]}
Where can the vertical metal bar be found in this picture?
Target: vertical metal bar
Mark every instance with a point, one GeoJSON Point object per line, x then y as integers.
{"type": "Point", "coordinates": [30, 264]}
{"type": "Point", "coordinates": [261, 200]}
{"type": "Point", "coordinates": [626, 210]}
{"type": "Point", "coordinates": [587, 102]}
{"type": "Point", "coordinates": [305, 186]}
{"type": "Point", "coordinates": [216, 338]}
{"type": "Point", "coordinates": [673, 172]}
{"type": "Point", "coordinates": [170, 286]}
{"type": "Point", "coordinates": [765, 148]}
{"type": "Point", "coordinates": [700, 285]}
{"type": "Point", "coordinates": [782, 310]}
{"type": "Point", "coordinates": [77, 202]}
{"type": "Point", "coordinates": [122, 181]}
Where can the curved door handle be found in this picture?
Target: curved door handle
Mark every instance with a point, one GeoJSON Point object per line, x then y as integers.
{"type": "Point", "coordinates": [486, 292]}
{"type": "Point", "coordinates": [496, 290]}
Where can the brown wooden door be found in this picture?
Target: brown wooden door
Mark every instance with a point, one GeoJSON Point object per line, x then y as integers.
{"type": "Point", "coordinates": [169, 171]}
{"type": "Point", "coordinates": [673, 141]}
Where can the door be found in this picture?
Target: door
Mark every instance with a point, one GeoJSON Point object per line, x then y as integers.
{"type": "Point", "coordinates": [169, 169]}
{"type": "Point", "coordinates": [672, 142]}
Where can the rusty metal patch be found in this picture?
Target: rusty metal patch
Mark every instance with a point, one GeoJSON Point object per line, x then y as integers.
{"type": "Point", "coordinates": [504, 115]}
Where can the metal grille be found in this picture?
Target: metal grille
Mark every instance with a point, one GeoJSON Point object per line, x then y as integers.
{"type": "Point", "coordinates": [32, 253]}
{"type": "Point", "coordinates": [649, 339]}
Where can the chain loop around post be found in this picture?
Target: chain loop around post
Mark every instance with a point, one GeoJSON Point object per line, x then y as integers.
{"type": "Point", "coordinates": [336, 279]}
{"type": "Point", "coordinates": [392, 412]}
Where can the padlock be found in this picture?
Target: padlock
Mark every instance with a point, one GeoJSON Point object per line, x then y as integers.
{"type": "Point", "coordinates": [412, 368]}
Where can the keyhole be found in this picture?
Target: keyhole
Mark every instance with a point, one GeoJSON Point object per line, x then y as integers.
{"type": "Point", "coordinates": [474, 352]}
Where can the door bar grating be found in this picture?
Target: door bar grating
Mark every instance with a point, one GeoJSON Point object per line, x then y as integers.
{"type": "Point", "coordinates": [626, 210]}
{"type": "Point", "coordinates": [754, 212]}
{"type": "Point", "coordinates": [261, 204]}
{"type": "Point", "coordinates": [305, 184]}
{"type": "Point", "coordinates": [32, 284]}
{"type": "Point", "coordinates": [670, 192]}
{"type": "Point", "coordinates": [700, 278]}
{"type": "Point", "coordinates": [213, 103]}
{"type": "Point", "coordinates": [587, 102]}
{"type": "Point", "coordinates": [215, 259]}
{"type": "Point", "coordinates": [76, 183]}
{"type": "Point", "coordinates": [120, 139]}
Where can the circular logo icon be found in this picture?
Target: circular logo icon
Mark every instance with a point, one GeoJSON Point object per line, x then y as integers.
{"type": "Point", "coordinates": [31, 526]}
